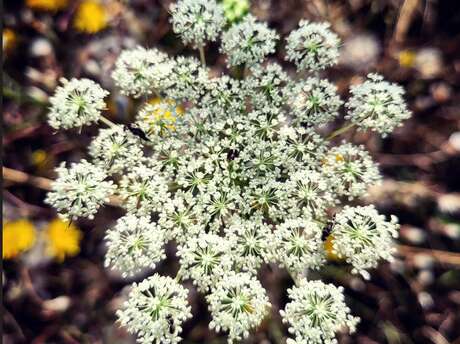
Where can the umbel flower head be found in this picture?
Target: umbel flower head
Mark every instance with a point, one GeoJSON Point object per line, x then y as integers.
{"type": "Point", "coordinates": [238, 303]}
{"type": "Point", "coordinates": [248, 42]}
{"type": "Point", "coordinates": [76, 103]}
{"type": "Point", "coordinates": [316, 312]}
{"type": "Point", "coordinates": [299, 246]}
{"type": "Point", "coordinates": [205, 259]}
{"type": "Point", "coordinates": [155, 310]}
{"type": "Point", "coordinates": [80, 190]}
{"type": "Point", "coordinates": [142, 72]}
{"type": "Point", "coordinates": [377, 104]}
{"type": "Point", "coordinates": [236, 171]}
{"type": "Point", "coordinates": [363, 237]}
{"type": "Point", "coordinates": [197, 21]}
{"type": "Point", "coordinates": [115, 148]}
{"type": "Point", "coordinates": [133, 244]}
{"type": "Point", "coordinates": [353, 168]}
{"type": "Point", "coordinates": [315, 101]}
{"type": "Point", "coordinates": [313, 46]}
{"type": "Point", "coordinates": [251, 243]}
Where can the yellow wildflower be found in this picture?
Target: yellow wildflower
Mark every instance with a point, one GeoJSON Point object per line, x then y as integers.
{"type": "Point", "coordinates": [63, 239]}
{"type": "Point", "coordinates": [91, 17]}
{"type": "Point", "coordinates": [18, 236]}
{"type": "Point", "coordinates": [328, 246]}
{"type": "Point", "coordinates": [9, 40]}
{"type": "Point", "coordinates": [42, 160]}
{"type": "Point", "coordinates": [406, 58]}
{"type": "Point", "coordinates": [47, 5]}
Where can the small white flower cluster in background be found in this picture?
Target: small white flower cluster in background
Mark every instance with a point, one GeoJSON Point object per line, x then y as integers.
{"type": "Point", "coordinates": [235, 172]}
{"type": "Point", "coordinates": [76, 103]}
{"type": "Point", "coordinates": [197, 21]}
{"type": "Point", "coordinates": [377, 104]}
{"type": "Point", "coordinates": [316, 312]}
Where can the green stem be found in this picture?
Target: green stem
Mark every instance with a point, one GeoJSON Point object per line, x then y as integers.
{"type": "Point", "coordinates": [202, 55]}
{"type": "Point", "coordinates": [340, 131]}
{"type": "Point", "coordinates": [179, 275]}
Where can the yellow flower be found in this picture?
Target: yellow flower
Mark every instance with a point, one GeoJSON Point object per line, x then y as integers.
{"type": "Point", "coordinates": [47, 5]}
{"type": "Point", "coordinates": [41, 160]}
{"type": "Point", "coordinates": [63, 239]}
{"type": "Point", "coordinates": [328, 246]}
{"type": "Point", "coordinates": [406, 58]}
{"type": "Point", "coordinates": [91, 17]}
{"type": "Point", "coordinates": [18, 236]}
{"type": "Point", "coordinates": [9, 40]}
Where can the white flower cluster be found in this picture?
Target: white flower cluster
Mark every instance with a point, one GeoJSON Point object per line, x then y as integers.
{"type": "Point", "coordinates": [80, 190]}
{"type": "Point", "coordinates": [248, 42]}
{"type": "Point", "coordinates": [114, 148]}
{"type": "Point", "coordinates": [316, 312]}
{"type": "Point", "coordinates": [377, 104]}
{"type": "Point", "coordinates": [237, 304]}
{"type": "Point", "coordinates": [197, 21]}
{"type": "Point", "coordinates": [315, 101]}
{"type": "Point", "coordinates": [155, 310]}
{"type": "Point", "coordinates": [363, 237]}
{"type": "Point", "coordinates": [76, 103]}
{"type": "Point", "coordinates": [133, 244]}
{"type": "Point", "coordinates": [142, 72]}
{"type": "Point", "coordinates": [234, 170]}
{"type": "Point", "coordinates": [313, 46]}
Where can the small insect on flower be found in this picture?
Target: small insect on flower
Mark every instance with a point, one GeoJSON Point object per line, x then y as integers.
{"type": "Point", "coordinates": [62, 239]}
{"type": "Point", "coordinates": [313, 46]}
{"type": "Point", "coordinates": [377, 104]}
{"type": "Point", "coordinates": [155, 310]}
{"type": "Point", "coordinates": [238, 304]}
{"type": "Point", "coordinates": [316, 312]}
{"type": "Point", "coordinates": [17, 237]}
{"type": "Point", "coordinates": [197, 21]}
{"type": "Point", "coordinates": [248, 42]}
{"type": "Point", "coordinates": [91, 17]}
{"type": "Point", "coordinates": [76, 103]}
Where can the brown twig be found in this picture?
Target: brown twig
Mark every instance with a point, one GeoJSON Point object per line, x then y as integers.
{"type": "Point", "coordinates": [443, 257]}
{"type": "Point", "coordinates": [20, 177]}
{"type": "Point", "coordinates": [405, 18]}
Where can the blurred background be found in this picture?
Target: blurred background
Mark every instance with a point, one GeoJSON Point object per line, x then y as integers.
{"type": "Point", "coordinates": [55, 287]}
